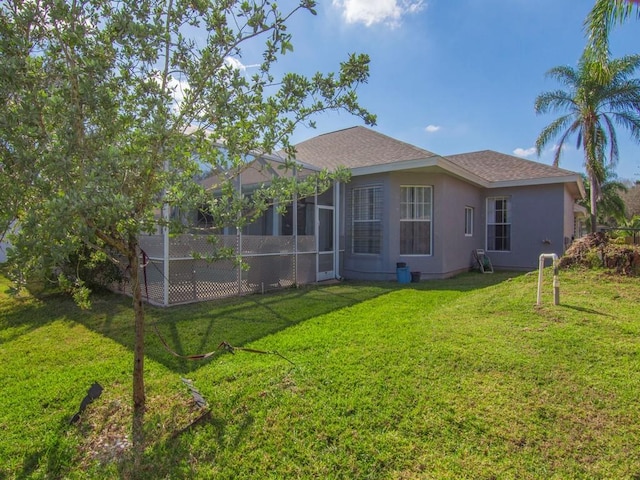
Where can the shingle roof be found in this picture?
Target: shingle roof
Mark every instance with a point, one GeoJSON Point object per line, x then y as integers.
{"type": "Point", "coordinates": [499, 167]}
{"type": "Point", "coordinates": [365, 151]}
{"type": "Point", "coordinates": [356, 147]}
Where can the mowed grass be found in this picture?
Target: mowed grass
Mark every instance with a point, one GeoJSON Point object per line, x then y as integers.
{"type": "Point", "coordinates": [462, 378]}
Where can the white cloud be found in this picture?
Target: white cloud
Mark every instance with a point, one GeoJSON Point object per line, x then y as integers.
{"type": "Point", "coordinates": [237, 64]}
{"type": "Point", "coordinates": [555, 148]}
{"type": "Point", "coordinates": [432, 128]}
{"type": "Point", "coordinates": [371, 12]}
{"type": "Point", "coordinates": [178, 89]}
{"type": "Point", "coordinates": [524, 152]}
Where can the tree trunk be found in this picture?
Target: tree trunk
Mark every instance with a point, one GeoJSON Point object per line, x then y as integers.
{"type": "Point", "coordinates": [138, 352]}
{"type": "Point", "coordinates": [593, 200]}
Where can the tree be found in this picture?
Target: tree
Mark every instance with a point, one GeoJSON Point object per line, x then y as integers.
{"type": "Point", "coordinates": [592, 104]}
{"type": "Point", "coordinates": [632, 199]}
{"type": "Point", "coordinates": [611, 207]}
{"type": "Point", "coordinates": [604, 15]}
{"type": "Point", "coordinates": [112, 108]}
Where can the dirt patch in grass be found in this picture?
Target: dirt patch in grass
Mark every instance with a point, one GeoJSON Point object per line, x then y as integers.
{"type": "Point", "coordinates": [106, 426]}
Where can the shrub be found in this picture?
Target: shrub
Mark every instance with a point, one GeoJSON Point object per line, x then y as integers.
{"type": "Point", "coordinates": [598, 250]}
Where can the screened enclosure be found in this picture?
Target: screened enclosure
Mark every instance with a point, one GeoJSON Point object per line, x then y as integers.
{"type": "Point", "coordinates": [278, 250]}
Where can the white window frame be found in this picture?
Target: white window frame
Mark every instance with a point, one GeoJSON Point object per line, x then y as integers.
{"type": "Point", "coordinates": [493, 222]}
{"type": "Point", "coordinates": [371, 213]}
{"type": "Point", "coordinates": [415, 213]}
{"type": "Point", "coordinates": [468, 221]}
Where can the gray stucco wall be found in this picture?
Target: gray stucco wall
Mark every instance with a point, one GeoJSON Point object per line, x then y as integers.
{"type": "Point", "coordinates": [451, 249]}
{"type": "Point", "coordinates": [541, 218]}
{"type": "Point", "coordinates": [569, 217]}
{"type": "Point", "coordinates": [362, 266]}
{"type": "Point", "coordinates": [537, 225]}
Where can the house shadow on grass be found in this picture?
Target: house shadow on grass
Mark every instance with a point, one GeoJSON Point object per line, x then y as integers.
{"type": "Point", "coordinates": [200, 328]}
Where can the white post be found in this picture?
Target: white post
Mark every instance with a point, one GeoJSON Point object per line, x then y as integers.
{"type": "Point", "coordinates": [556, 281]}
{"type": "Point", "coordinates": [294, 227]}
{"type": "Point", "coordinates": [239, 239]}
{"type": "Point", "coordinates": [166, 245]}
{"type": "Point", "coordinates": [166, 257]}
{"type": "Point", "coordinates": [336, 229]}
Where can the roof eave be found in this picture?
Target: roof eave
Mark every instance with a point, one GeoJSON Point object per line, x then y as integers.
{"type": "Point", "coordinates": [542, 181]}
{"type": "Point", "coordinates": [433, 161]}
{"type": "Point", "coordinates": [452, 168]}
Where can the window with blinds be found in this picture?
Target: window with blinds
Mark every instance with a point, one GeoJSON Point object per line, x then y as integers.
{"type": "Point", "coordinates": [416, 208]}
{"type": "Point", "coordinates": [499, 224]}
{"type": "Point", "coordinates": [366, 219]}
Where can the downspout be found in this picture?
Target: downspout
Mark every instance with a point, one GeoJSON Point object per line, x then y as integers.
{"type": "Point", "coordinates": [336, 229]}
{"type": "Point", "coordinates": [294, 213]}
{"type": "Point", "coordinates": [316, 230]}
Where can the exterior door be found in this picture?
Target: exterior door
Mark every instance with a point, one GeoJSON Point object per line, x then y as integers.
{"type": "Point", "coordinates": [326, 248]}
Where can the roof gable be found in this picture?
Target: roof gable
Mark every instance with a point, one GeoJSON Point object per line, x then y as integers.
{"type": "Point", "coordinates": [356, 147]}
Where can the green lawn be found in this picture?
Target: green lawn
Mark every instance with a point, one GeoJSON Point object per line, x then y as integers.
{"type": "Point", "coordinates": [463, 378]}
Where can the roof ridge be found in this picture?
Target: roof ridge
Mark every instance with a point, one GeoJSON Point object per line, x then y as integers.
{"type": "Point", "coordinates": [334, 131]}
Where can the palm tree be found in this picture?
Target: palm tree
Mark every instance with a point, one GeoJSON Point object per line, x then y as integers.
{"type": "Point", "coordinates": [604, 15]}
{"type": "Point", "coordinates": [612, 210]}
{"type": "Point", "coordinates": [591, 105]}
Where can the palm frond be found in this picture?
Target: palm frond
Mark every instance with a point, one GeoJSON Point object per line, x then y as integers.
{"type": "Point", "coordinates": [564, 74]}
{"type": "Point", "coordinates": [610, 134]}
{"type": "Point", "coordinates": [604, 15]}
{"type": "Point", "coordinates": [552, 101]}
{"type": "Point", "coordinates": [630, 121]}
{"type": "Point", "coordinates": [551, 131]}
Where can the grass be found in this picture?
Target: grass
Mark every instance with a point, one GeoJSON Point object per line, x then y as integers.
{"type": "Point", "coordinates": [463, 378]}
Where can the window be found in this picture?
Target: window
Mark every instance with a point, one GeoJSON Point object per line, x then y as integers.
{"type": "Point", "coordinates": [468, 221]}
{"type": "Point", "coordinates": [415, 220]}
{"type": "Point", "coordinates": [366, 219]}
{"type": "Point", "coordinates": [499, 224]}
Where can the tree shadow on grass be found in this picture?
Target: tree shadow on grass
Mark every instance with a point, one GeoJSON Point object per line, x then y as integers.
{"type": "Point", "coordinates": [53, 458]}
{"type": "Point", "coordinates": [161, 455]}
{"type": "Point", "coordinates": [195, 328]}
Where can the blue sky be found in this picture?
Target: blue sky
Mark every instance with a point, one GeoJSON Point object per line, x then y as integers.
{"type": "Point", "coordinates": [454, 76]}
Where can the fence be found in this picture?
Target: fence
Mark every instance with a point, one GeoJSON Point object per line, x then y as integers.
{"type": "Point", "coordinates": [273, 262]}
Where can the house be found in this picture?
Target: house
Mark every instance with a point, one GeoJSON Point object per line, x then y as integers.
{"type": "Point", "coordinates": [402, 204]}
{"type": "Point", "coordinates": [406, 204]}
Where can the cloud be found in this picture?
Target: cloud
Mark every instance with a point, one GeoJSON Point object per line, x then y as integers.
{"type": "Point", "coordinates": [178, 89]}
{"type": "Point", "coordinates": [524, 152]}
{"type": "Point", "coordinates": [432, 128]}
{"type": "Point", "coordinates": [555, 148]}
{"type": "Point", "coordinates": [371, 12]}
{"type": "Point", "coordinates": [237, 64]}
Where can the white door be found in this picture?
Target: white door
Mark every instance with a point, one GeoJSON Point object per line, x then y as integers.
{"type": "Point", "coordinates": [325, 238]}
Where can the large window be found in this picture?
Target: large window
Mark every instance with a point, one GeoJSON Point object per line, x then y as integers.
{"type": "Point", "coordinates": [415, 220]}
{"type": "Point", "coordinates": [499, 224]}
{"type": "Point", "coordinates": [366, 219]}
